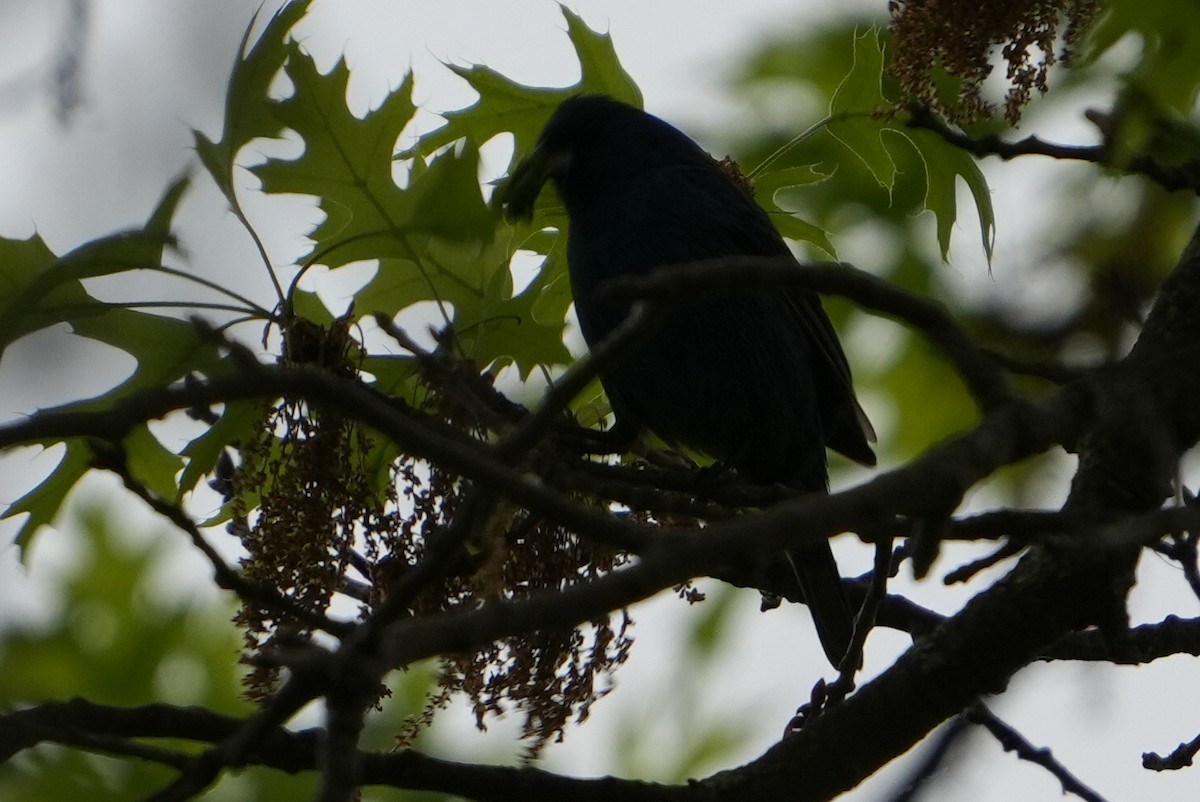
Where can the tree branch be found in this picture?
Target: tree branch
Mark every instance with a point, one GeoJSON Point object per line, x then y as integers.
{"type": "Point", "coordinates": [1013, 741]}
{"type": "Point", "coordinates": [1185, 176]}
{"type": "Point", "coordinates": [79, 722]}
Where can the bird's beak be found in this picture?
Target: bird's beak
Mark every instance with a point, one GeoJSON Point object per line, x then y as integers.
{"type": "Point", "coordinates": [526, 182]}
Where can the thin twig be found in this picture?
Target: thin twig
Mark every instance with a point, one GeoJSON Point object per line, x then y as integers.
{"type": "Point", "coordinates": [864, 622]}
{"type": "Point", "coordinates": [224, 576]}
{"type": "Point", "coordinates": [491, 409]}
{"type": "Point", "coordinates": [1182, 549]}
{"type": "Point", "coordinates": [529, 431]}
{"type": "Point", "coordinates": [1181, 758]}
{"type": "Point", "coordinates": [965, 572]}
{"type": "Point", "coordinates": [1013, 741]}
{"type": "Point", "coordinates": [1185, 176]}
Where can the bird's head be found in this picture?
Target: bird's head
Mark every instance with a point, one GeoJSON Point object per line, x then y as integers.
{"type": "Point", "coordinates": [591, 145]}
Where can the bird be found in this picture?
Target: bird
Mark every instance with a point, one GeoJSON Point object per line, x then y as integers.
{"type": "Point", "coordinates": [757, 380]}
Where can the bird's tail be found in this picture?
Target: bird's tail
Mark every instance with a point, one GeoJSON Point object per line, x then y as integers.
{"type": "Point", "coordinates": [821, 582]}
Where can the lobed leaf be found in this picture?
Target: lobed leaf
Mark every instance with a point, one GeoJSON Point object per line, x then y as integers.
{"type": "Point", "coordinates": [247, 116]}
{"type": "Point", "coordinates": [853, 111]}
{"type": "Point", "coordinates": [505, 106]}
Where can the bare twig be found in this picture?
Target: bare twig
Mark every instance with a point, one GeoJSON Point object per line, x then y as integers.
{"type": "Point", "coordinates": [864, 621]}
{"type": "Point", "coordinates": [225, 577]}
{"type": "Point", "coordinates": [966, 572]}
{"type": "Point", "coordinates": [1180, 758]}
{"type": "Point", "coordinates": [1185, 176]}
{"type": "Point", "coordinates": [1182, 549]}
{"type": "Point", "coordinates": [529, 432]}
{"type": "Point", "coordinates": [1013, 741]}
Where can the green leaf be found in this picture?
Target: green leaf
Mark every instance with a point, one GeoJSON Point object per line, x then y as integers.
{"type": "Point", "coordinates": [439, 242]}
{"type": "Point", "coordinates": [394, 374]}
{"type": "Point", "coordinates": [43, 289]}
{"type": "Point", "coordinates": [474, 286]}
{"type": "Point", "coordinates": [601, 71]}
{"type": "Point", "coordinates": [770, 185]}
{"type": "Point", "coordinates": [238, 423]}
{"type": "Point", "coordinates": [510, 328]}
{"type": "Point", "coordinates": [591, 407]}
{"type": "Point", "coordinates": [43, 502]}
{"type": "Point", "coordinates": [855, 105]}
{"type": "Point", "coordinates": [347, 163]}
{"type": "Point", "coordinates": [25, 270]}
{"type": "Point", "coordinates": [247, 115]}
{"type": "Point", "coordinates": [46, 290]}
{"type": "Point", "coordinates": [309, 306]}
{"type": "Point", "coordinates": [151, 463]}
{"type": "Point", "coordinates": [944, 165]}
{"type": "Point", "coordinates": [553, 287]}
{"type": "Point", "coordinates": [794, 228]}
{"type": "Point", "coordinates": [505, 106]}
{"type": "Point", "coordinates": [446, 200]}
{"type": "Point", "coordinates": [166, 350]}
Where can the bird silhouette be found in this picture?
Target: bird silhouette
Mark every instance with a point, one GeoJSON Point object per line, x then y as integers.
{"type": "Point", "coordinates": [754, 379]}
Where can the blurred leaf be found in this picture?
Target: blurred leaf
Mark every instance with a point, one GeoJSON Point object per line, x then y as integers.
{"type": "Point", "coordinates": [862, 120]}
{"type": "Point", "coordinates": [929, 417]}
{"type": "Point", "coordinates": [1168, 71]}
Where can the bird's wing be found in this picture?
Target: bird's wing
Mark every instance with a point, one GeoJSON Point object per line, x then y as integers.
{"type": "Point", "coordinates": [722, 219]}
{"type": "Point", "coordinates": [851, 431]}
{"type": "Point", "coordinates": [848, 431]}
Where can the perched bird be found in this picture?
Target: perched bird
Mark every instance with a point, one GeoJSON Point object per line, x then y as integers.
{"type": "Point", "coordinates": [756, 380]}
